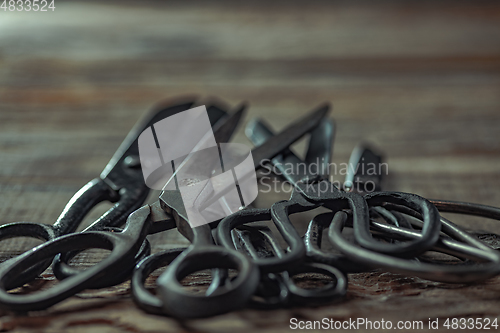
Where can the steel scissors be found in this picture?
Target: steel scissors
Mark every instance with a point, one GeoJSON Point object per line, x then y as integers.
{"type": "Point", "coordinates": [120, 183]}
{"type": "Point", "coordinates": [453, 240]}
{"type": "Point", "coordinates": [119, 264]}
{"type": "Point", "coordinates": [123, 245]}
{"type": "Point", "coordinates": [126, 161]}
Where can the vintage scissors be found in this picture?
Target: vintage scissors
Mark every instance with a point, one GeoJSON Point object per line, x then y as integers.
{"type": "Point", "coordinates": [204, 254]}
{"type": "Point", "coordinates": [124, 244]}
{"type": "Point", "coordinates": [118, 173]}
{"type": "Point", "coordinates": [120, 182]}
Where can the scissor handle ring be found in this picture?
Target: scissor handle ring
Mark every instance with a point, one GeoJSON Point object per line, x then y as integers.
{"type": "Point", "coordinates": [64, 271]}
{"type": "Point", "coordinates": [46, 298]}
{"type": "Point", "coordinates": [181, 303]}
{"type": "Point", "coordinates": [430, 230]}
{"type": "Point", "coordinates": [39, 231]}
{"type": "Point", "coordinates": [440, 273]}
{"type": "Point", "coordinates": [127, 201]}
{"type": "Point", "coordinates": [327, 293]}
{"type": "Point", "coordinates": [296, 254]}
{"type": "Point", "coordinates": [123, 248]}
{"type": "Point", "coordinates": [141, 296]}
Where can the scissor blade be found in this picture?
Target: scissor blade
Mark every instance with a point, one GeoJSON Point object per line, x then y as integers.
{"type": "Point", "coordinates": [319, 150]}
{"type": "Point", "coordinates": [130, 147]}
{"type": "Point", "coordinates": [287, 163]}
{"type": "Point", "coordinates": [364, 167]}
{"type": "Point", "coordinates": [275, 145]}
{"type": "Point", "coordinates": [223, 131]}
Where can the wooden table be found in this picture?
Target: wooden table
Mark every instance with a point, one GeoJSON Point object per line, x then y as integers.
{"type": "Point", "coordinates": [420, 80]}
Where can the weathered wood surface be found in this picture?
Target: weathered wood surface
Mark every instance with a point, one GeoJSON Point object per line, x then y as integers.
{"type": "Point", "coordinates": [421, 80]}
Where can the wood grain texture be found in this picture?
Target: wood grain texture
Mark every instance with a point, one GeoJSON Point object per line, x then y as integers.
{"type": "Point", "coordinates": [420, 80]}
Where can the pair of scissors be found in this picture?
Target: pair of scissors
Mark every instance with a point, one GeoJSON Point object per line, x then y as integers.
{"type": "Point", "coordinates": [453, 240]}
{"type": "Point", "coordinates": [125, 163]}
{"type": "Point", "coordinates": [121, 171]}
{"type": "Point", "coordinates": [142, 297]}
{"type": "Point", "coordinates": [204, 254]}
{"type": "Point", "coordinates": [123, 245]}
{"type": "Point", "coordinates": [120, 183]}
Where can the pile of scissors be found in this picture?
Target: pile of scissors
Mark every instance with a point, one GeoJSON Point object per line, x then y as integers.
{"type": "Point", "coordinates": [250, 266]}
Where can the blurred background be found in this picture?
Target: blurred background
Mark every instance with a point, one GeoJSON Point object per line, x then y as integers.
{"type": "Point", "coordinates": [418, 79]}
